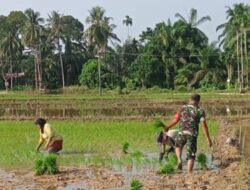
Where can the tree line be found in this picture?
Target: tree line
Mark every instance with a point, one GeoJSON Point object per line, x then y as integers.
{"type": "Point", "coordinates": [59, 51]}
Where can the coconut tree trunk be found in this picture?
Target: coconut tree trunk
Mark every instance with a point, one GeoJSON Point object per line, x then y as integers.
{"type": "Point", "coordinates": [242, 60]}
{"type": "Point", "coordinates": [61, 63]}
{"type": "Point", "coordinates": [237, 56]}
{"type": "Point", "coordinates": [11, 76]}
{"type": "Point", "coordinates": [38, 72]}
{"type": "Point", "coordinates": [35, 62]}
{"type": "Point", "coordinates": [246, 57]}
{"type": "Point", "coordinates": [99, 74]}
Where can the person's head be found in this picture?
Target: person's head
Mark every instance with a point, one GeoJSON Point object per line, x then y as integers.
{"type": "Point", "coordinates": [40, 122]}
{"type": "Point", "coordinates": [195, 99]}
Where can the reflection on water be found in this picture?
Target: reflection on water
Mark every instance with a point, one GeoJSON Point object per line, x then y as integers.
{"type": "Point", "coordinates": [114, 108]}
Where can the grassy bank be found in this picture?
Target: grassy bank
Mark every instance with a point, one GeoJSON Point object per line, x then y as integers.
{"type": "Point", "coordinates": [80, 93]}
{"type": "Point", "coordinates": [99, 141]}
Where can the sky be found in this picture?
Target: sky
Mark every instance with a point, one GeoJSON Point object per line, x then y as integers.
{"type": "Point", "coordinates": [145, 13]}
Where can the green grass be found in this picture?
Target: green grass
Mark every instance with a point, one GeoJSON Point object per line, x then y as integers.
{"type": "Point", "coordinates": [102, 139]}
{"type": "Point", "coordinates": [112, 94]}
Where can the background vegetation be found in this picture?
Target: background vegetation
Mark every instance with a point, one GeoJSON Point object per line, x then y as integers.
{"type": "Point", "coordinates": [59, 51]}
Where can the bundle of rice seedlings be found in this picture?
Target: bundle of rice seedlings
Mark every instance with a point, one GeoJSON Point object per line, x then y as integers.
{"type": "Point", "coordinates": [46, 165]}
{"type": "Point", "coordinates": [50, 164]}
{"type": "Point", "coordinates": [168, 168]}
{"type": "Point", "coordinates": [39, 167]}
{"type": "Point", "coordinates": [136, 185]}
{"type": "Point", "coordinates": [202, 160]}
{"type": "Point", "coordinates": [125, 147]}
{"type": "Point", "coordinates": [158, 123]}
{"type": "Point", "coordinates": [172, 159]}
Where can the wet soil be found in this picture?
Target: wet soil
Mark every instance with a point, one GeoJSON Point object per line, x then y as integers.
{"type": "Point", "coordinates": [233, 174]}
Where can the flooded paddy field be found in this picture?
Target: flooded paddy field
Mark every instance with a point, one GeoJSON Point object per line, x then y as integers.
{"type": "Point", "coordinates": [114, 109]}
{"type": "Point", "coordinates": [94, 131]}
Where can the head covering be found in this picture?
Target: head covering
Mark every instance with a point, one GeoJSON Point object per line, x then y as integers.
{"type": "Point", "coordinates": [40, 121]}
{"type": "Point", "coordinates": [159, 137]}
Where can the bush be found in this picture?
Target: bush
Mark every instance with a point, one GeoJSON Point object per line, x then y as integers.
{"type": "Point", "coordinates": [202, 160]}
{"type": "Point", "coordinates": [46, 165]}
{"type": "Point", "coordinates": [168, 168]}
{"type": "Point", "coordinates": [135, 185]}
{"type": "Point", "coordinates": [125, 147]}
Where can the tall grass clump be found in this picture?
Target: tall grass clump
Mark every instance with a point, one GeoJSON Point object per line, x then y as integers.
{"type": "Point", "coordinates": [125, 147]}
{"type": "Point", "coordinates": [136, 185]}
{"type": "Point", "coordinates": [46, 165]}
{"type": "Point", "coordinates": [202, 160]}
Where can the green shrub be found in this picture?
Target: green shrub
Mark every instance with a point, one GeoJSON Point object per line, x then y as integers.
{"type": "Point", "coordinates": [125, 147]}
{"type": "Point", "coordinates": [39, 167]}
{"type": "Point", "coordinates": [135, 185]}
{"type": "Point", "coordinates": [167, 168]}
{"type": "Point", "coordinates": [158, 123]}
{"type": "Point", "coordinates": [202, 160]}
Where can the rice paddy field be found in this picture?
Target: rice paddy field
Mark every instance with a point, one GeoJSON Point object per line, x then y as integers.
{"type": "Point", "coordinates": [84, 142]}
{"type": "Point", "coordinates": [96, 128]}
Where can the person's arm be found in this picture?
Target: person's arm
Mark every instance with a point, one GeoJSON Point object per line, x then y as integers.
{"type": "Point", "coordinates": [175, 120]}
{"type": "Point", "coordinates": [40, 143]}
{"type": "Point", "coordinates": [48, 142]}
{"type": "Point", "coordinates": [206, 132]}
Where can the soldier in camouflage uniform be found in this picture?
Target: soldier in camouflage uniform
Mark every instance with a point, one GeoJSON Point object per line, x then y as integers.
{"type": "Point", "coordinates": [189, 117]}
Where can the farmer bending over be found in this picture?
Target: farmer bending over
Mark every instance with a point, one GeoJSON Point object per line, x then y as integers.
{"type": "Point", "coordinates": [166, 138]}
{"type": "Point", "coordinates": [54, 141]}
{"type": "Point", "coordinates": [189, 118]}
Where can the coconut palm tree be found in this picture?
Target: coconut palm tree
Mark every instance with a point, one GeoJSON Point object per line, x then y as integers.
{"type": "Point", "coordinates": [189, 27]}
{"type": "Point", "coordinates": [234, 37]}
{"type": "Point", "coordinates": [31, 33]}
{"type": "Point", "coordinates": [99, 33]}
{"type": "Point", "coordinates": [11, 47]}
{"type": "Point", "coordinates": [128, 21]}
{"type": "Point", "coordinates": [55, 24]}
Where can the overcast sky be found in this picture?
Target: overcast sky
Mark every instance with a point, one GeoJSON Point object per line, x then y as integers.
{"type": "Point", "coordinates": [145, 13]}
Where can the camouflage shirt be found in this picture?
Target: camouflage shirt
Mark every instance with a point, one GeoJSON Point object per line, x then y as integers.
{"type": "Point", "coordinates": [190, 117]}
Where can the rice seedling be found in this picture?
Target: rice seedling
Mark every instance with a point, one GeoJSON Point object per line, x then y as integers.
{"type": "Point", "coordinates": [172, 159]}
{"type": "Point", "coordinates": [46, 165]}
{"type": "Point", "coordinates": [125, 147]}
{"type": "Point", "coordinates": [167, 168]}
{"type": "Point", "coordinates": [39, 167]}
{"type": "Point", "coordinates": [136, 185]}
{"type": "Point", "coordinates": [202, 160]}
{"type": "Point", "coordinates": [50, 164]}
{"type": "Point", "coordinates": [158, 123]}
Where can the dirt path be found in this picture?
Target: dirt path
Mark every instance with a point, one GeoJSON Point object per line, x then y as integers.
{"type": "Point", "coordinates": [233, 174]}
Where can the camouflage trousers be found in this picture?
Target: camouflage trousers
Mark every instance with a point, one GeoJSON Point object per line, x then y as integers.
{"type": "Point", "coordinates": [190, 141]}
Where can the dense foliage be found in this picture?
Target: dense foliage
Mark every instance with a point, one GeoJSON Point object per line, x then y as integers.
{"type": "Point", "coordinates": [58, 51]}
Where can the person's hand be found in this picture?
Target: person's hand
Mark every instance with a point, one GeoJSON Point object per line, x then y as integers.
{"type": "Point", "coordinates": [166, 128]}
{"type": "Point", "coordinates": [210, 143]}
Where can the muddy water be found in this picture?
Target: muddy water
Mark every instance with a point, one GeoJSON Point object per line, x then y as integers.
{"type": "Point", "coordinates": [111, 109]}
